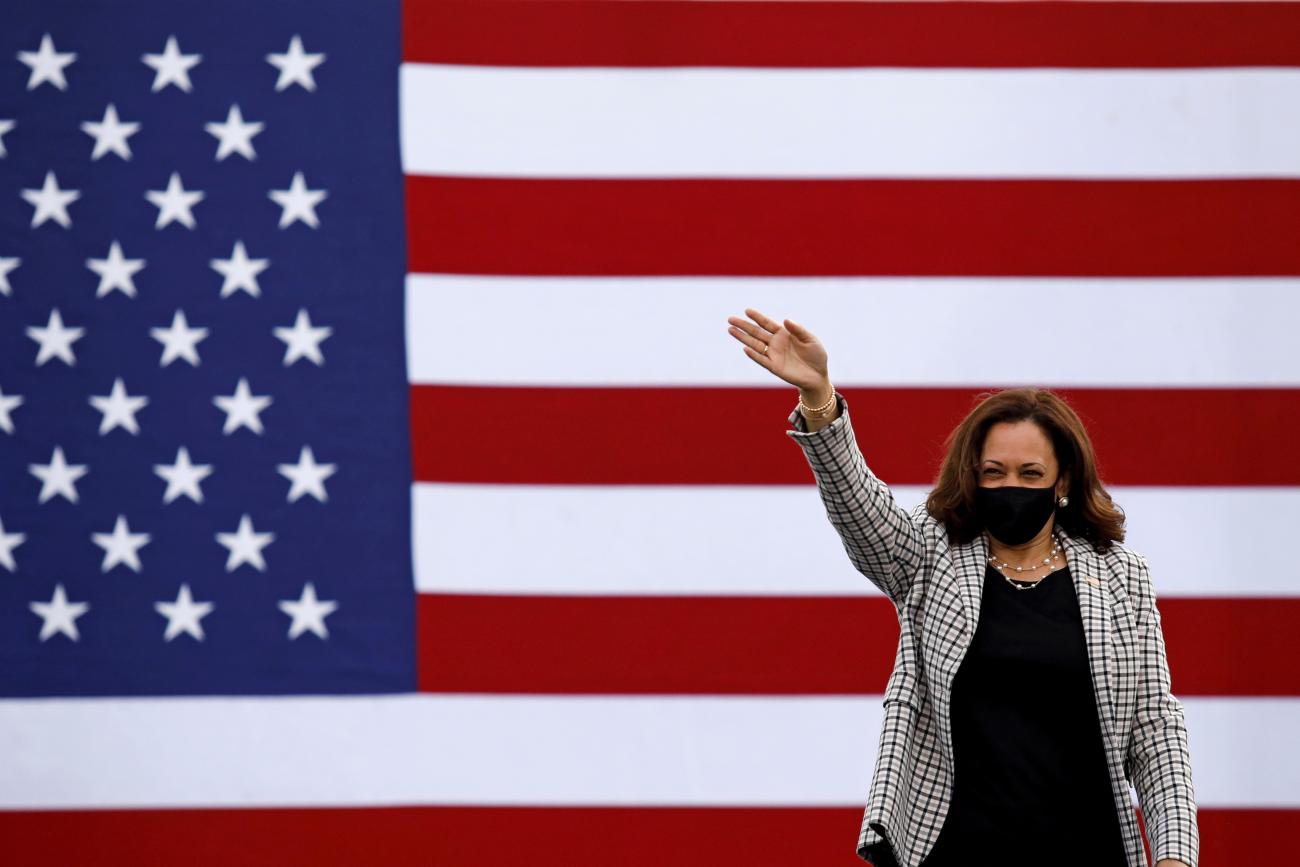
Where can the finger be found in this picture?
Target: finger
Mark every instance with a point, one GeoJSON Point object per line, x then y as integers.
{"type": "Point", "coordinates": [749, 341]}
{"type": "Point", "coordinates": [766, 321]}
{"type": "Point", "coordinates": [760, 359]}
{"type": "Point", "coordinates": [797, 330]}
{"type": "Point", "coordinates": [752, 330]}
{"type": "Point", "coordinates": [749, 328]}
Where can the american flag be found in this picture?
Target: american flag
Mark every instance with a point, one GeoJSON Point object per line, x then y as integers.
{"type": "Point", "coordinates": [380, 485]}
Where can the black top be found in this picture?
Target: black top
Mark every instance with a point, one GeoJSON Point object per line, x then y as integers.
{"type": "Point", "coordinates": [1030, 778]}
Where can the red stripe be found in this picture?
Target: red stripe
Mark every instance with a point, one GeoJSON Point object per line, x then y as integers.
{"type": "Point", "coordinates": [781, 645]}
{"type": "Point", "coordinates": [509, 836]}
{"type": "Point", "coordinates": [687, 436]}
{"type": "Point", "coordinates": [778, 34]}
{"type": "Point", "coordinates": [1102, 228]}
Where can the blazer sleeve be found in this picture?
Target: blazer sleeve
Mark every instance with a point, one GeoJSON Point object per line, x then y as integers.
{"type": "Point", "coordinates": [1158, 762]}
{"type": "Point", "coordinates": [882, 540]}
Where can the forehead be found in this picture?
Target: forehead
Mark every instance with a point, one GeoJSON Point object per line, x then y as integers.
{"type": "Point", "coordinates": [1016, 443]}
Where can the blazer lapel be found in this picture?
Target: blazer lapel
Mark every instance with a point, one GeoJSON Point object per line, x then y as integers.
{"type": "Point", "coordinates": [971, 561]}
{"type": "Point", "coordinates": [1090, 577]}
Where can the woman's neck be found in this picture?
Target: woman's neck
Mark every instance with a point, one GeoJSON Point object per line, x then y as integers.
{"type": "Point", "coordinates": [1031, 554]}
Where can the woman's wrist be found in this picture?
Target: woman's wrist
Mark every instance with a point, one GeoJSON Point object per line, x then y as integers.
{"type": "Point", "coordinates": [818, 395]}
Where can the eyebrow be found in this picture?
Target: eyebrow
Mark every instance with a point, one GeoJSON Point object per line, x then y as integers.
{"type": "Point", "coordinates": [1025, 464]}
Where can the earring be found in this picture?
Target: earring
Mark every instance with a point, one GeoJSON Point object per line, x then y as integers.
{"type": "Point", "coordinates": [1063, 502]}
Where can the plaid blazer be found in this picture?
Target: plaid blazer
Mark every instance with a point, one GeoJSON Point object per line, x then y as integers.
{"type": "Point", "coordinates": [936, 588]}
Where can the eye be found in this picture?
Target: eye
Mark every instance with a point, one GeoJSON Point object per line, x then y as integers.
{"type": "Point", "coordinates": [991, 471]}
{"type": "Point", "coordinates": [1032, 473]}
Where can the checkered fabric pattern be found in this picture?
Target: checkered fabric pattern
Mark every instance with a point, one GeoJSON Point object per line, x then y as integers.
{"type": "Point", "coordinates": [936, 588]}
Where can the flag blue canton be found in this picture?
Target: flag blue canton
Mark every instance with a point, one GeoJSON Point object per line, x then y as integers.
{"type": "Point", "coordinates": [205, 475]}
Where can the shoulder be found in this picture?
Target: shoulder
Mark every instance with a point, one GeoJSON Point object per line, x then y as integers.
{"type": "Point", "coordinates": [922, 518]}
{"type": "Point", "coordinates": [1122, 557]}
{"type": "Point", "coordinates": [1131, 569]}
{"type": "Point", "coordinates": [934, 534]}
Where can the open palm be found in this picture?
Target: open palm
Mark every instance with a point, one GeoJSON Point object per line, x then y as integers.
{"type": "Point", "coordinates": [794, 354]}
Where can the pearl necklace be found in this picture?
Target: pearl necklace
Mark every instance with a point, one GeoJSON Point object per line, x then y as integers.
{"type": "Point", "coordinates": [1047, 561]}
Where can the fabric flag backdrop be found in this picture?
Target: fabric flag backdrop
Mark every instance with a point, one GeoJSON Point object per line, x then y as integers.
{"type": "Point", "coordinates": [380, 485]}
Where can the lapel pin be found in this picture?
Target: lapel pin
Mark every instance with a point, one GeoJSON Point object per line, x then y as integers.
{"type": "Point", "coordinates": [1093, 581]}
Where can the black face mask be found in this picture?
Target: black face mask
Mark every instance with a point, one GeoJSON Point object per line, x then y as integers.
{"type": "Point", "coordinates": [1014, 515]}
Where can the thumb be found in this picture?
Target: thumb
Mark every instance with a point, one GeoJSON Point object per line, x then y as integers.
{"type": "Point", "coordinates": [796, 329]}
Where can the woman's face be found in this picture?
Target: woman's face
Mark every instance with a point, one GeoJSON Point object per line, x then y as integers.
{"type": "Point", "coordinates": [1018, 453]}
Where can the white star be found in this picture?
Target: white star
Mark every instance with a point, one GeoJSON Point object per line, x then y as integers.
{"type": "Point", "coordinates": [171, 67]}
{"type": "Point", "coordinates": [295, 65]}
{"type": "Point", "coordinates": [308, 612]}
{"type": "Point", "coordinates": [302, 340]}
{"type": "Point", "coordinates": [179, 340]}
{"type": "Point", "coordinates": [184, 614]}
{"type": "Point", "coordinates": [58, 476]}
{"type": "Point", "coordinates": [174, 203]}
{"type": "Point", "coordinates": [235, 135]}
{"type": "Point", "coordinates": [5, 126]}
{"type": "Point", "coordinates": [308, 477]}
{"type": "Point", "coordinates": [7, 265]}
{"type": "Point", "coordinates": [240, 271]}
{"type": "Point", "coordinates": [46, 64]}
{"type": "Point", "coordinates": [242, 408]}
{"type": "Point", "coordinates": [298, 202]}
{"type": "Point", "coordinates": [110, 134]}
{"type": "Point", "coordinates": [55, 339]}
{"type": "Point", "coordinates": [183, 477]}
{"type": "Point", "coordinates": [59, 615]}
{"type": "Point", "coordinates": [121, 545]}
{"type": "Point", "coordinates": [115, 272]}
{"type": "Point", "coordinates": [245, 546]}
{"type": "Point", "coordinates": [50, 202]}
{"type": "Point", "coordinates": [7, 404]}
{"type": "Point", "coordinates": [8, 542]}
{"type": "Point", "coordinates": [118, 408]}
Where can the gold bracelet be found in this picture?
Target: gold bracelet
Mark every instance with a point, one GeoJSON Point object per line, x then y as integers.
{"type": "Point", "coordinates": [818, 413]}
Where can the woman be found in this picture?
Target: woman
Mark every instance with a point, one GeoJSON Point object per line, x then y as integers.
{"type": "Point", "coordinates": [1031, 684]}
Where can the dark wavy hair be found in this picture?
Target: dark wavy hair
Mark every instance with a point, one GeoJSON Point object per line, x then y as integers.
{"type": "Point", "coordinates": [1091, 512]}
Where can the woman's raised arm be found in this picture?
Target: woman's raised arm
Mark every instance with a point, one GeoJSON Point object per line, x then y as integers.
{"type": "Point", "coordinates": [881, 538]}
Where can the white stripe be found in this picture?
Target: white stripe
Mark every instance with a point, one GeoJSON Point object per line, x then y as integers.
{"type": "Point", "coordinates": [882, 122]}
{"type": "Point", "coordinates": [428, 749]}
{"type": "Point", "coordinates": [908, 331]}
{"type": "Point", "coordinates": [776, 540]}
